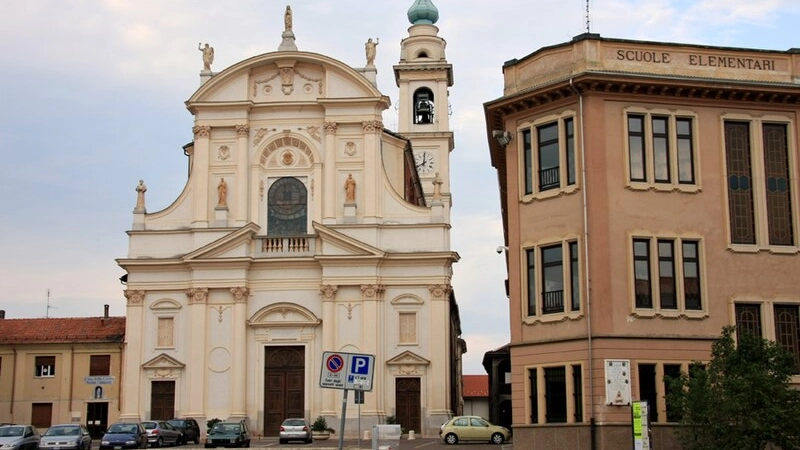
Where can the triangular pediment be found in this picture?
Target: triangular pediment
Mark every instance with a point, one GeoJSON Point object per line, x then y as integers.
{"type": "Point", "coordinates": [408, 358]}
{"type": "Point", "coordinates": [233, 245]}
{"type": "Point", "coordinates": [163, 361]}
{"type": "Point", "coordinates": [334, 243]}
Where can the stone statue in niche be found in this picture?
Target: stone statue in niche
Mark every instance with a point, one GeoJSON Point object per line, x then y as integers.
{"type": "Point", "coordinates": [222, 193]}
{"type": "Point", "coordinates": [350, 189]}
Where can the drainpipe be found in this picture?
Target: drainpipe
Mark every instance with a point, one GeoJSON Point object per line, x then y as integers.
{"type": "Point", "coordinates": [590, 356]}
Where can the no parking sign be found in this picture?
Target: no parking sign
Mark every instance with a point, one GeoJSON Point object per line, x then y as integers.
{"type": "Point", "coordinates": [346, 371]}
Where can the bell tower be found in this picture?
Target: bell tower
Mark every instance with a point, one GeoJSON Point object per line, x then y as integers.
{"type": "Point", "coordinates": [424, 77]}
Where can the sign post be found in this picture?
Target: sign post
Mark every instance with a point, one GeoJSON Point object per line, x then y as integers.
{"type": "Point", "coordinates": [346, 371]}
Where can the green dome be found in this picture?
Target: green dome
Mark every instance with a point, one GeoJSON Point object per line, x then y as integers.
{"type": "Point", "coordinates": [423, 11]}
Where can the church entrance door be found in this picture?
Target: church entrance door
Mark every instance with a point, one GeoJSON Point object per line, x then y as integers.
{"type": "Point", "coordinates": [284, 386]}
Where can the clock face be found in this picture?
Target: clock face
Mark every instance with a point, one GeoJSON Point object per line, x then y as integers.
{"type": "Point", "coordinates": [425, 162]}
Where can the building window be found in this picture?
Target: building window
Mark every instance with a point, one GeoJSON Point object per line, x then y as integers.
{"type": "Point", "coordinates": [748, 318]}
{"type": "Point", "coordinates": [561, 399]}
{"type": "Point", "coordinates": [678, 287]}
{"type": "Point", "coordinates": [552, 163]}
{"type": "Point", "coordinates": [45, 366]}
{"type": "Point", "coordinates": [753, 196]}
{"type": "Point", "coordinates": [99, 365]}
{"type": "Point", "coordinates": [555, 384]}
{"type": "Point", "coordinates": [660, 150]}
{"type": "Point", "coordinates": [577, 393]}
{"type": "Point", "coordinates": [287, 209]}
{"type": "Point", "coordinates": [408, 328]}
{"type": "Point", "coordinates": [166, 331]}
{"type": "Point", "coordinates": [648, 390]}
{"type": "Point", "coordinates": [786, 317]}
{"type": "Point", "coordinates": [787, 331]}
{"type": "Point", "coordinates": [534, 398]}
{"type": "Point", "coordinates": [671, 371]}
{"type": "Point", "coordinates": [556, 280]}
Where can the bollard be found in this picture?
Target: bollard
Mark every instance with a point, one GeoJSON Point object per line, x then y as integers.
{"type": "Point", "coordinates": [411, 435]}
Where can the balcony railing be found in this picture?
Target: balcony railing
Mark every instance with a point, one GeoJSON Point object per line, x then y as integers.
{"type": "Point", "coordinates": [549, 178]}
{"type": "Point", "coordinates": [553, 302]}
{"type": "Point", "coordinates": [285, 246]}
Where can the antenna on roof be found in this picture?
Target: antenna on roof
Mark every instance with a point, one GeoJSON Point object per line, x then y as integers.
{"type": "Point", "coordinates": [588, 30]}
{"type": "Point", "coordinates": [47, 311]}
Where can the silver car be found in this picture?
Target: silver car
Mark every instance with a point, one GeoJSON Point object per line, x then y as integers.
{"type": "Point", "coordinates": [160, 433]}
{"type": "Point", "coordinates": [19, 437]}
{"type": "Point", "coordinates": [68, 436]}
{"type": "Point", "coordinates": [295, 429]}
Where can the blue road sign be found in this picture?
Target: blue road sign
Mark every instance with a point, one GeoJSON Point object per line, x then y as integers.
{"type": "Point", "coordinates": [347, 371]}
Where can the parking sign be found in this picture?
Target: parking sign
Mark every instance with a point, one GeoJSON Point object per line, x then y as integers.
{"type": "Point", "coordinates": [342, 370]}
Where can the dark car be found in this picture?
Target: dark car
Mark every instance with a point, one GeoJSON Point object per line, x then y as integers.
{"type": "Point", "coordinates": [67, 436]}
{"type": "Point", "coordinates": [124, 435]}
{"type": "Point", "coordinates": [19, 437]}
{"type": "Point", "coordinates": [228, 434]}
{"type": "Point", "coordinates": [189, 427]}
{"type": "Point", "coordinates": [295, 429]}
{"type": "Point", "coordinates": [160, 433]}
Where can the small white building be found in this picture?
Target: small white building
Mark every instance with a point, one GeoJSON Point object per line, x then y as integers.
{"type": "Point", "coordinates": [304, 227]}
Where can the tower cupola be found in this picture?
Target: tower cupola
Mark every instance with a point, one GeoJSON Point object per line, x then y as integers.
{"type": "Point", "coordinates": [423, 12]}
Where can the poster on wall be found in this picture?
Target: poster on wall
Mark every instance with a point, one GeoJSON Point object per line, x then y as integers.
{"type": "Point", "coordinates": [640, 420]}
{"type": "Point", "coordinates": [618, 382]}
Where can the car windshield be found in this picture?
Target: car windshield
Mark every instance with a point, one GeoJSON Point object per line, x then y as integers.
{"type": "Point", "coordinates": [225, 428]}
{"type": "Point", "coordinates": [176, 423]}
{"type": "Point", "coordinates": [11, 431]}
{"type": "Point", "coordinates": [62, 431]}
{"type": "Point", "coordinates": [294, 422]}
{"type": "Point", "coordinates": [121, 428]}
{"type": "Point", "coordinates": [149, 425]}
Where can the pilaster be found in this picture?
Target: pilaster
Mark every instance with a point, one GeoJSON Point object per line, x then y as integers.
{"type": "Point", "coordinates": [132, 374]}
{"type": "Point", "coordinates": [238, 367]}
{"type": "Point", "coordinates": [329, 175]}
{"type": "Point", "coordinates": [196, 363]}
{"type": "Point", "coordinates": [329, 396]}
{"type": "Point", "coordinates": [243, 156]}
{"type": "Point", "coordinates": [199, 175]}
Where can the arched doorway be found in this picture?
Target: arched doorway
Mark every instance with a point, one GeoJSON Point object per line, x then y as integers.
{"type": "Point", "coordinates": [284, 386]}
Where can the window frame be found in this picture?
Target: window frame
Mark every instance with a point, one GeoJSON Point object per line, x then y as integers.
{"type": "Point", "coordinates": [540, 407]}
{"type": "Point", "coordinates": [678, 262]}
{"type": "Point", "coordinates": [535, 288]}
{"type": "Point", "coordinates": [657, 156]}
{"type": "Point", "coordinates": [561, 144]}
{"type": "Point", "coordinates": [759, 183]}
{"type": "Point", "coordinates": [42, 361]}
{"type": "Point", "coordinates": [766, 322]}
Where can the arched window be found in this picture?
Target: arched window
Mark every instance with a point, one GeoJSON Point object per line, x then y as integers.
{"type": "Point", "coordinates": [423, 106]}
{"type": "Point", "coordinates": [287, 207]}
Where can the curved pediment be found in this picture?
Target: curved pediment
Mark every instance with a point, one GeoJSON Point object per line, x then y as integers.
{"type": "Point", "coordinates": [284, 314]}
{"type": "Point", "coordinates": [285, 76]}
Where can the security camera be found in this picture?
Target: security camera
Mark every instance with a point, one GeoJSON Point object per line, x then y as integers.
{"type": "Point", "coordinates": [502, 137]}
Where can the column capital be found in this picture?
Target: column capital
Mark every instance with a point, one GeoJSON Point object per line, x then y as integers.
{"type": "Point", "coordinates": [328, 291]}
{"type": "Point", "coordinates": [372, 291]}
{"type": "Point", "coordinates": [135, 298]}
{"type": "Point", "coordinates": [240, 294]}
{"type": "Point", "coordinates": [242, 130]}
{"type": "Point", "coordinates": [201, 131]}
{"type": "Point", "coordinates": [372, 126]}
{"type": "Point", "coordinates": [197, 295]}
{"type": "Point", "coordinates": [439, 291]}
{"type": "Point", "coordinates": [330, 127]}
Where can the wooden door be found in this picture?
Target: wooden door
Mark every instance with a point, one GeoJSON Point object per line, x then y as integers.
{"type": "Point", "coordinates": [162, 400]}
{"type": "Point", "coordinates": [408, 403]}
{"type": "Point", "coordinates": [97, 418]}
{"type": "Point", "coordinates": [284, 386]}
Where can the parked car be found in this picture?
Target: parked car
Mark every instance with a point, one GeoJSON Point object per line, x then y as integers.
{"type": "Point", "coordinates": [67, 436]}
{"type": "Point", "coordinates": [124, 435]}
{"type": "Point", "coordinates": [189, 427]}
{"type": "Point", "coordinates": [295, 430]}
{"type": "Point", "coordinates": [228, 434]}
{"type": "Point", "coordinates": [160, 433]}
{"type": "Point", "coordinates": [472, 428]}
{"type": "Point", "coordinates": [19, 437]}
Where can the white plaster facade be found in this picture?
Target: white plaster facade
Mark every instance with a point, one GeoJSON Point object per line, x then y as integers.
{"type": "Point", "coordinates": [211, 288]}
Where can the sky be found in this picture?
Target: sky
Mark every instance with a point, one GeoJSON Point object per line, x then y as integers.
{"type": "Point", "coordinates": [92, 99]}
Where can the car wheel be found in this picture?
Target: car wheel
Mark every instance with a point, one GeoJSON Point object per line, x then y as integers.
{"type": "Point", "coordinates": [451, 439]}
{"type": "Point", "coordinates": [282, 441]}
{"type": "Point", "coordinates": [497, 438]}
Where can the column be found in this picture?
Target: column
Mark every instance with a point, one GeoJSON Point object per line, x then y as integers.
{"type": "Point", "coordinates": [196, 363]}
{"type": "Point", "coordinates": [439, 342]}
{"type": "Point", "coordinates": [131, 388]}
{"type": "Point", "coordinates": [199, 175]}
{"type": "Point", "coordinates": [242, 181]}
{"type": "Point", "coordinates": [330, 404]}
{"type": "Point", "coordinates": [372, 169]}
{"type": "Point", "coordinates": [239, 360]}
{"type": "Point", "coordinates": [329, 175]}
{"type": "Point", "coordinates": [372, 326]}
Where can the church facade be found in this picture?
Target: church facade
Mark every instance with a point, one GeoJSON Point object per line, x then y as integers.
{"type": "Point", "coordinates": [304, 227]}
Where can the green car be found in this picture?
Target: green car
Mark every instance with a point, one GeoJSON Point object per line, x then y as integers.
{"type": "Point", "coordinates": [228, 434]}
